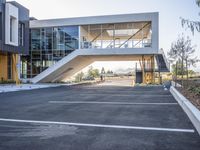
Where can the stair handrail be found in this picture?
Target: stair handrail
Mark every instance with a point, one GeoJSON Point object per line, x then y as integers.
{"type": "Point", "coordinates": [161, 51]}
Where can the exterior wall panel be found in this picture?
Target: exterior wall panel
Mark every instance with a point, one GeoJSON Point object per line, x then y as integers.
{"type": "Point", "coordinates": [11, 22]}
{"type": "Point", "coordinates": [3, 67]}
{"type": "Point", "coordinates": [21, 14]}
{"type": "Point", "coordinates": [24, 18]}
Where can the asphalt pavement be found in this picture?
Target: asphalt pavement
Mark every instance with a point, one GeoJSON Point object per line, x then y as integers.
{"type": "Point", "coordinates": [95, 118]}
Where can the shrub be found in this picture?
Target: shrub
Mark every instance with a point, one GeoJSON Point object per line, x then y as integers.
{"type": "Point", "coordinates": [195, 90]}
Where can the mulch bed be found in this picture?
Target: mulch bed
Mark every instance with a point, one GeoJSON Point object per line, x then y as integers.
{"type": "Point", "coordinates": [194, 99]}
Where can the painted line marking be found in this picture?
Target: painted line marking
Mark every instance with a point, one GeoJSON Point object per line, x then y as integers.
{"type": "Point", "coordinates": [98, 125]}
{"type": "Point", "coordinates": [131, 94]}
{"type": "Point", "coordinates": [111, 103]}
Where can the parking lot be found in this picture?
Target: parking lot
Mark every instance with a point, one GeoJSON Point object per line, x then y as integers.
{"type": "Point", "coordinates": [94, 117]}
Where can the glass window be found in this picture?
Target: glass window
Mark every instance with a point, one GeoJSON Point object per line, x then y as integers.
{"type": "Point", "coordinates": [23, 69]}
{"type": "Point", "coordinates": [108, 36]}
{"type": "Point", "coordinates": [49, 38]}
{"type": "Point", "coordinates": [21, 34]}
{"type": "Point", "coordinates": [11, 29]}
{"type": "Point", "coordinates": [9, 66]}
{"type": "Point", "coordinates": [1, 24]}
{"type": "Point", "coordinates": [49, 45]}
{"type": "Point", "coordinates": [65, 38]}
{"type": "Point", "coordinates": [35, 39]}
{"type": "Point", "coordinates": [119, 35]}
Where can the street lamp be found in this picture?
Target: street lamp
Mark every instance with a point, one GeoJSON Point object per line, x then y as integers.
{"type": "Point", "coordinates": [198, 2]}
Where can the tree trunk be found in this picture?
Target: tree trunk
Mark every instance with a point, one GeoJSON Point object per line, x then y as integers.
{"type": "Point", "coordinates": [176, 73]}
{"type": "Point", "coordinates": [187, 69]}
{"type": "Point", "coordinates": [182, 70]}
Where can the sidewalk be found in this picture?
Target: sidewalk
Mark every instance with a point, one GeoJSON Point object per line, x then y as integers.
{"type": "Point", "coordinates": [13, 87]}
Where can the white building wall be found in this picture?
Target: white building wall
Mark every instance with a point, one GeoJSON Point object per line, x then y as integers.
{"type": "Point", "coordinates": [11, 12]}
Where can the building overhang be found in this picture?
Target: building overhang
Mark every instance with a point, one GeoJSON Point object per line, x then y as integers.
{"type": "Point", "coordinates": [138, 17]}
{"type": "Point", "coordinates": [152, 17]}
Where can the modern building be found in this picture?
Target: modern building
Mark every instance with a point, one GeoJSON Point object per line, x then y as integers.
{"type": "Point", "coordinates": [14, 38]}
{"type": "Point", "coordinates": [59, 48]}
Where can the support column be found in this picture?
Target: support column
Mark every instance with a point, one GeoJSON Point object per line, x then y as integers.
{"type": "Point", "coordinates": [153, 69]}
{"type": "Point", "coordinates": [153, 59]}
{"type": "Point", "coordinates": [143, 71]}
{"type": "Point", "coordinates": [15, 69]}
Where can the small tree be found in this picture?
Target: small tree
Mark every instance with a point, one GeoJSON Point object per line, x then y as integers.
{"type": "Point", "coordinates": [109, 72]}
{"type": "Point", "coordinates": [176, 69]}
{"type": "Point", "coordinates": [193, 25]}
{"type": "Point", "coordinates": [96, 73]}
{"type": "Point", "coordinates": [79, 77]}
{"type": "Point", "coordinates": [191, 73]}
{"type": "Point", "coordinates": [103, 71]}
{"type": "Point", "coordinates": [93, 72]}
{"type": "Point", "coordinates": [182, 51]}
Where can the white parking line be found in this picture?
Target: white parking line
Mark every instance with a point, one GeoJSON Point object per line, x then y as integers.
{"type": "Point", "coordinates": [111, 103]}
{"type": "Point", "coordinates": [132, 94]}
{"type": "Point", "coordinates": [98, 125]}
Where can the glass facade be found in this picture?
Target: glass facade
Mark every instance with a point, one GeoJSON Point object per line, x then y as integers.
{"type": "Point", "coordinates": [119, 35]}
{"type": "Point", "coordinates": [49, 45]}
{"type": "Point", "coordinates": [11, 29]}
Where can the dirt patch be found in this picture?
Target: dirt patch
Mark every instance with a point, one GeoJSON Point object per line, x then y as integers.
{"type": "Point", "coordinates": [193, 98]}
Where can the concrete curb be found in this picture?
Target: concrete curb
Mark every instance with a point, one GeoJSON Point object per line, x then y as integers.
{"type": "Point", "coordinates": [175, 84]}
{"type": "Point", "coordinates": [42, 86]}
{"type": "Point", "coordinates": [14, 88]}
{"type": "Point", "coordinates": [192, 112]}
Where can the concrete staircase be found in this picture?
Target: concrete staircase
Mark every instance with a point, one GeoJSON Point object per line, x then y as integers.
{"type": "Point", "coordinates": [81, 58]}
{"type": "Point", "coordinates": [163, 64]}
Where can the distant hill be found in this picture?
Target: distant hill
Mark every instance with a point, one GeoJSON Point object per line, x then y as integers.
{"type": "Point", "coordinates": [124, 70]}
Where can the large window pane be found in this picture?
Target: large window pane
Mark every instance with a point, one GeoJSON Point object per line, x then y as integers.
{"type": "Point", "coordinates": [119, 35]}
{"type": "Point", "coordinates": [49, 45]}
{"type": "Point", "coordinates": [108, 36]}
{"type": "Point", "coordinates": [35, 39]}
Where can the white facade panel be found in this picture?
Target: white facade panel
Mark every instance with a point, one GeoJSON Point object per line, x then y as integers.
{"type": "Point", "coordinates": [11, 24]}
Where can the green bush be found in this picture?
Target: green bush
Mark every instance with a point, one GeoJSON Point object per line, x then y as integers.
{"type": "Point", "coordinates": [7, 82]}
{"type": "Point", "coordinates": [195, 90]}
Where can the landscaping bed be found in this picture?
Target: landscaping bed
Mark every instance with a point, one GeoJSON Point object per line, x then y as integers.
{"type": "Point", "coordinates": [191, 90]}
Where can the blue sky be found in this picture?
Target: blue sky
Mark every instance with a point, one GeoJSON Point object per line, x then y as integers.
{"type": "Point", "coordinates": [170, 12]}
